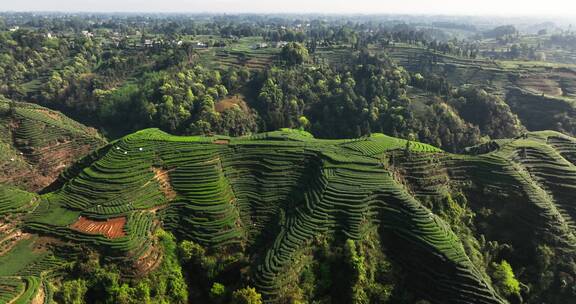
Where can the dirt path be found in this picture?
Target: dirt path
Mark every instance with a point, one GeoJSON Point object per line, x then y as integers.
{"type": "Point", "coordinates": [40, 296]}
{"type": "Point", "coordinates": [19, 295]}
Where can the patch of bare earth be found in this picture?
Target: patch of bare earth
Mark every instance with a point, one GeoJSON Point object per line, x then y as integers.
{"type": "Point", "coordinates": [227, 103]}
{"type": "Point", "coordinates": [155, 209]}
{"type": "Point", "coordinates": [40, 296]}
{"type": "Point", "coordinates": [9, 241]}
{"type": "Point", "coordinates": [43, 243]}
{"type": "Point", "coordinates": [110, 228]}
{"type": "Point", "coordinates": [44, 164]}
{"type": "Point", "coordinates": [52, 160]}
{"type": "Point", "coordinates": [163, 178]}
{"type": "Point", "coordinates": [50, 114]}
{"type": "Point", "coordinates": [148, 261]}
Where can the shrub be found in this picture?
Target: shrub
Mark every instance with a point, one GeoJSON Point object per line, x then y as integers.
{"type": "Point", "coordinates": [190, 251]}
{"type": "Point", "coordinates": [73, 292]}
{"type": "Point", "coordinates": [217, 290]}
{"type": "Point", "coordinates": [504, 279]}
{"type": "Point", "coordinates": [246, 295]}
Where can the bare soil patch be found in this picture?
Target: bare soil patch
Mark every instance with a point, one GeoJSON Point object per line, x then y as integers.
{"type": "Point", "coordinates": [163, 178]}
{"type": "Point", "coordinates": [8, 242]}
{"type": "Point", "coordinates": [148, 261]}
{"type": "Point", "coordinates": [40, 296]}
{"type": "Point", "coordinates": [50, 114]}
{"type": "Point", "coordinates": [110, 228]}
{"type": "Point", "coordinates": [227, 103]}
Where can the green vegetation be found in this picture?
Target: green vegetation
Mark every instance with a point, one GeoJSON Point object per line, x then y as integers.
{"type": "Point", "coordinates": [73, 292]}
{"type": "Point", "coordinates": [309, 160]}
{"type": "Point", "coordinates": [217, 290]}
{"type": "Point", "coordinates": [294, 53]}
{"type": "Point", "coordinates": [246, 295]}
{"type": "Point", "coordinates": [255, 74]}
{"type": "Point", "coordinates": [38, 143]}
{"type": "Point", "coordinates": [97, 284]}
{"type": "Point", "coordinates": [504, 279]}
{"type": "Point", "coordinates": [231, 200]}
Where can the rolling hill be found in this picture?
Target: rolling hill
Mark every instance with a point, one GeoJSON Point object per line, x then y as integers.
{"type": "Point", "coordinates": [278, 198]}
{"type": "Point", "coordinates": [37, 144]}
{"type": "Point", "coordinates": [540, 93]}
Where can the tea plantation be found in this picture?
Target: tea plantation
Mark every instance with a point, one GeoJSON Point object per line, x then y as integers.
{"type": "Point", "coordinates": [36, 144]}
{"type": "Point", "coordinates": [272, 195]}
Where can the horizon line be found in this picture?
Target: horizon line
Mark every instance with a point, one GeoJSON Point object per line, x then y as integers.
{"type": "Point", "coordinates": [311, 13]}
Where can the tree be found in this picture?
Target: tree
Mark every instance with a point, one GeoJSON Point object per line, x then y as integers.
{"type": "Point", "coordinates": [358, 272]}
{"type": "Point", "coordinates": [504, 279]}
{"type": "Point", "coordinates": [12, 107]}
{"type": "Point", "coordinates": [304, 123]}
{"type": "Point", "coordinates": [514, 51]}
{"type": "Point", "coordinates": [271, 98]}
{"type": "Point", "coordinates": [141, 293]}
{"type": "Point", "coordinates": [217, 290]}
{"type": "Point", "coordinates": [294, 53]}
{"type": "Point", "coordinates": [190, 251]}
{"type": "Point", "coordinates": [72, 292]}
{"type": "Point", "coordinates": [246, 295]}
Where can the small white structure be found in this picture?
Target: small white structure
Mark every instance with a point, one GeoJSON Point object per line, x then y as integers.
{"type": "Point", "coordinates": [261, 45]}
{"type": "Point", "coordinates": [198, 44]}
{"type": "Point", "coordinates": [87, 34]}
{"type": "Point", "coordinates": [280, 44]}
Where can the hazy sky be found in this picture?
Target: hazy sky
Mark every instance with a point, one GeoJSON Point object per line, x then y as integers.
{"type": "Point", "coordinates": [459, 7]}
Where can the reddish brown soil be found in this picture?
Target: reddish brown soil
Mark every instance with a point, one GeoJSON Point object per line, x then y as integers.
{"type": "Point", "coordinates": [221, 141]}
{"type": "Point", "coordinates": [110, 228]}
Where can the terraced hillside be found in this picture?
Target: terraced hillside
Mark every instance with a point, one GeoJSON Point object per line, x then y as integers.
{"type": "Point", "coordinates": [274, 196]}
{"type": "Point", "coordinates": [540, 93]}
{"type": "Point", "coordinates": [36, 144]}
